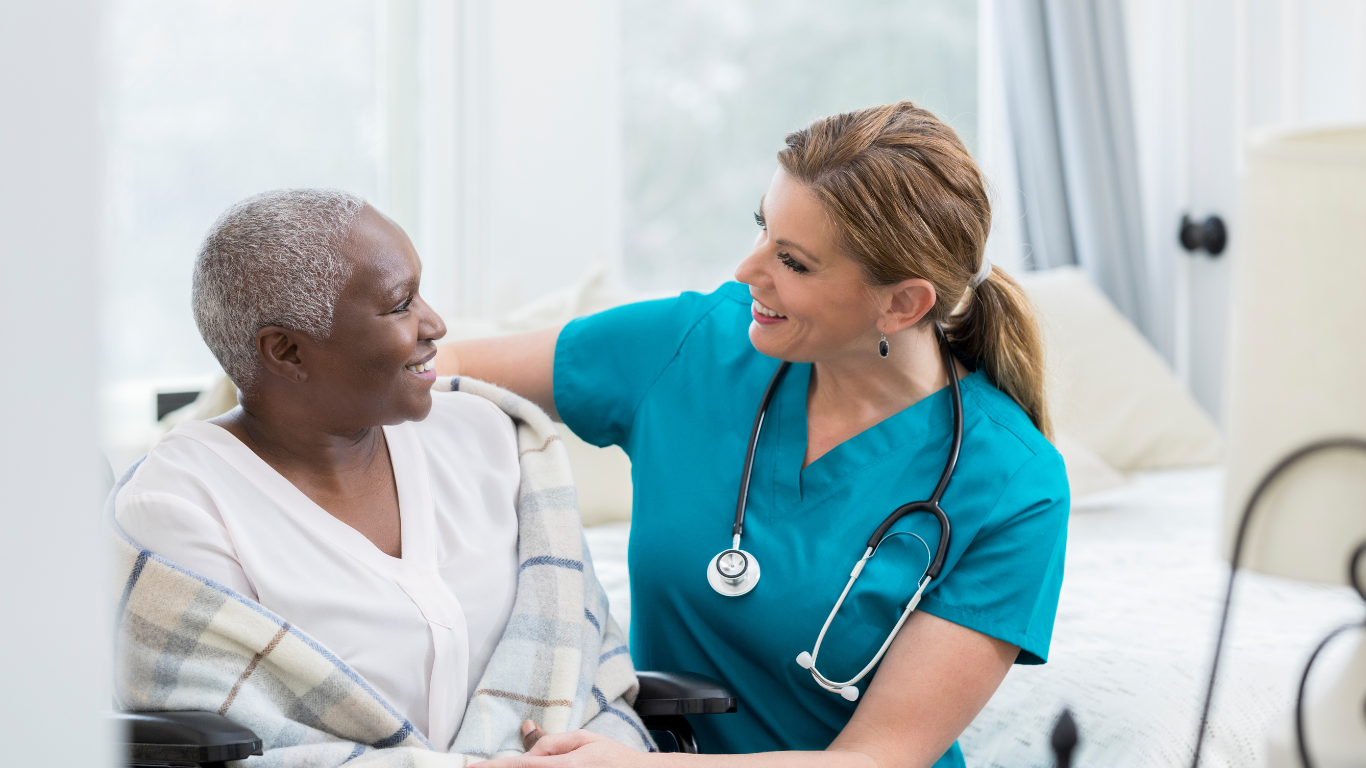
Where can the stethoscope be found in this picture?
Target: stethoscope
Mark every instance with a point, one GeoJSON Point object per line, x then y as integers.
{"type": "Point", "coordinates": [735, 572]}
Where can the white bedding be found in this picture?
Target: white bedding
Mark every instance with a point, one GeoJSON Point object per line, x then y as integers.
{"type": "Point", "coordinates": [1131, 647]}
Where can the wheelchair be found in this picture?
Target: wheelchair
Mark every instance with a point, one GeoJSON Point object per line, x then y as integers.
{"type": "Point", "coordinates": [210, 740]}
{"type": "Point", "coordinates": [184, 739]}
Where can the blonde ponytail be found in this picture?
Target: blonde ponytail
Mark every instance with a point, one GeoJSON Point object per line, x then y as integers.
{"type": "Point", "coordinates": [996, 327]}
{"type": "Point", "coordinates": [910, 202]}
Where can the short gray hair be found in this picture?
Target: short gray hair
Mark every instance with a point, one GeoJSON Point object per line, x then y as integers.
{"type": "Point", "coordinates": [271, 259]}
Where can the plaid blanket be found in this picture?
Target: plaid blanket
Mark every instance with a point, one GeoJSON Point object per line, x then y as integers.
{"type": "Point", "coordinates": [187, 643]}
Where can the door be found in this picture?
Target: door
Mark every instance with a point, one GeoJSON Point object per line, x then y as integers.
{"type": "Point", "coordinates": [1209, 76]}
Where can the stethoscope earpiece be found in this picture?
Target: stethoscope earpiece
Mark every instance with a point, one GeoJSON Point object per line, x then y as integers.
{"type": "Point", "coordinates": [849, 692]}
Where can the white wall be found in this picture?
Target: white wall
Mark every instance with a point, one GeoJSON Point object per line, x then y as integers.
{"type": "Point", "coordinates": [55, 645]}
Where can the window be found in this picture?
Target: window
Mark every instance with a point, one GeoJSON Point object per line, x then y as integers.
{"type": "Point", "coordinates": [207, 103]}
{"type": "Point", "coordinates": [711, 87]}
{"type": "Point", "coordinates": [518, 141]}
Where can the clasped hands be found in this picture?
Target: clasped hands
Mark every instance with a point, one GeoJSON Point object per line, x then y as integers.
{"type": "Point", "coordinates": [567, 750]}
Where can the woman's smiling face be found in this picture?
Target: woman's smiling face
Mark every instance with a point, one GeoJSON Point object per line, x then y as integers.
{"type": "Point", "coordinates": [811, 303]}
{"type": "Point", "coordinates": [374, 368]}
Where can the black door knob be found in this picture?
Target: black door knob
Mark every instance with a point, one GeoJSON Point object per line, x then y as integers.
{"type": "Point", "coordinates": [1209, 235]}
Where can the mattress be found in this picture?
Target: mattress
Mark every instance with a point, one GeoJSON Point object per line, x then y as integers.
{"type": "Point", "coordinates": [1134, 633]}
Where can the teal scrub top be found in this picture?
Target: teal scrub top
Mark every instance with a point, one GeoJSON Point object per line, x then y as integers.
{"type": "Point", "coordinates": [676, 383]}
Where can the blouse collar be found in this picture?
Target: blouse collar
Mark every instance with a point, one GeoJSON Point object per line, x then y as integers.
{"type": "Point", "coordinates": [416, 511]}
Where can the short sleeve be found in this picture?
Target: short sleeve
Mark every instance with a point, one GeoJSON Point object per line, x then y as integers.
{"type": "Point", "coordinates": [1007, 581]}
{"type": "Point", "coordinates": [606, 363]}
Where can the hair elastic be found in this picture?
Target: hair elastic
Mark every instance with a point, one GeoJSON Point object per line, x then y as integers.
{"type": "Point", "coordinates": [982, 273]}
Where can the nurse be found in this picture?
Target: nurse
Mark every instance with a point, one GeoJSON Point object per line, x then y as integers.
{"type": "Point", "coordinates": [871, 231]}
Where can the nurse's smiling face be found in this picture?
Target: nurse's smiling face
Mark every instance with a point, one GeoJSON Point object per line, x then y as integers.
{"type": "Point", "coordinates": [811, 303]}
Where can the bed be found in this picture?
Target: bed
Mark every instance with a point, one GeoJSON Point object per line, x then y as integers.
{"type": "Point", "coordinates": [1133, 637]}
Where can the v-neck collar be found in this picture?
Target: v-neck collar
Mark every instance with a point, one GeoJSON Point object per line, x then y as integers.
{"type": "Point", "coordinates": [922, 421]}
{"type": "Point", "coordinates": [416, 510]}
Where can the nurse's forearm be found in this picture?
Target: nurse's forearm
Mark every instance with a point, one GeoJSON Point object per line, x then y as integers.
{"type": "Point", "coordinates": [827, 759]}
{"type": "Point", "coordinates": [933, 681]}
{"type": "Point", "coordinates": [592, 750]}
{"type": "Point", "coordinates": [523, 363]}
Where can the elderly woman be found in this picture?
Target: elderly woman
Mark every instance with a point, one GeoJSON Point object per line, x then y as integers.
{"type": "Point", "coordinates": [342, 495]}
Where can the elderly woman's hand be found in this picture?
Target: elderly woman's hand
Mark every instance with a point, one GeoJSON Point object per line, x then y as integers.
{"type": "Point", "coordinates": [575, 749]}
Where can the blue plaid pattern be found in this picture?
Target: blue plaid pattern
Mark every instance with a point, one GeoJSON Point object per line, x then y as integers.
{"type": "Point", "coordinates": [184, 642]}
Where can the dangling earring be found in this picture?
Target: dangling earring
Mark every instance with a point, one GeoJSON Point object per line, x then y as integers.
{"type": "Point", "coordinates": [882, 348]}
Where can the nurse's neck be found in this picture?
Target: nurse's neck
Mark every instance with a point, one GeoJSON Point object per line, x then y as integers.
{"type": "Point", "coordinates": [857, 390]}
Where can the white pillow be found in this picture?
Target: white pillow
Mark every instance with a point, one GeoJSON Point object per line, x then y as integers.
{"type": "Point", "coordinates": [217, 400]}
{"type": "Point", "coordinates": [1115, 403]}
{"type": "Point", "coordinates": [1108, 388]}
{"type": "Point", "coordinates": [603, 479]}
{"type": "Point", "coordinates": [602, 475]}
{"type": "Point", "coordinates": [1087, 473]}
{"type": "Point", "coordinates": [1071, 309]}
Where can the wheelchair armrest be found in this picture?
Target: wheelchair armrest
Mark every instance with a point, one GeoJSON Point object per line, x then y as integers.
{"type": "Point", "coordinates": [178, 738]}
{"type": "Point", "coordinates": [681, 693]}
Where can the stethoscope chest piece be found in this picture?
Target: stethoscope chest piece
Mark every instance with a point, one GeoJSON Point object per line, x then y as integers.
{"type": "Point", "coordinates": [733, 572]}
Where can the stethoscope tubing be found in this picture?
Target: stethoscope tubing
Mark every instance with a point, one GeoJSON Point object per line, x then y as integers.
{"type": "Point", "coordinates": [826, 682]}
{"type": "Point", "coordinates": [931, 506]}
{"type": "Point", "coordinates": [739, 527]}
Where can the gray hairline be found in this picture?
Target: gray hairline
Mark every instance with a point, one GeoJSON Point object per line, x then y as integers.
{"type": "Point", "coordinates": [271, 259]}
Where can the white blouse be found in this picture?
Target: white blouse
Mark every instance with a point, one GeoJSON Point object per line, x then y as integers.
{"type": "Point", "coordinates": [421, 628]}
